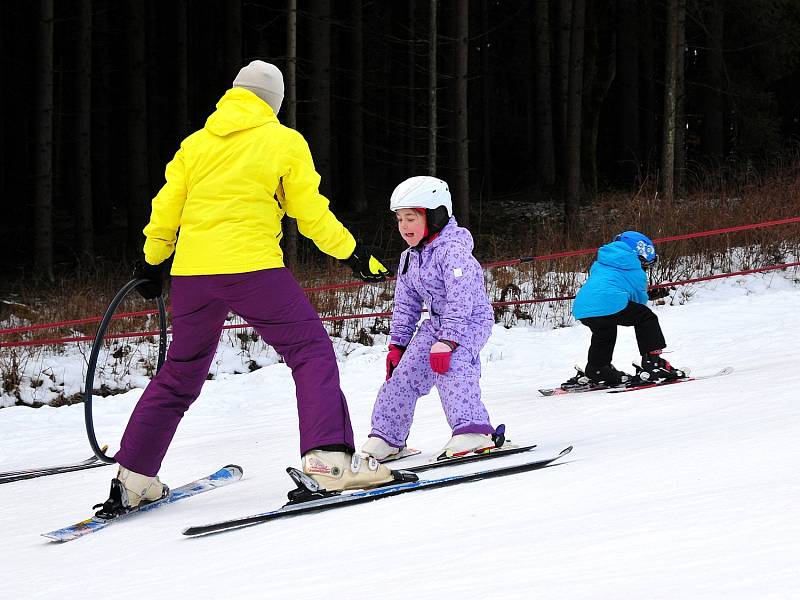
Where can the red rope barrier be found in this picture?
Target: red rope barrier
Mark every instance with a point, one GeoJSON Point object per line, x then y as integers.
{"type": "Point", "coordinates": [54, 341]}
{"type": "Point", "coordinates": [673, 238]}
{"type": "Point", "coordinates": [144, 313]}
{"type": "Point", "coordinates": [80, 338]}
{"type": "Point", "coordinates": [140, 313]}
{"type": "Point", "coordinates": [721, 275]}
{"type": "Point", "coordinates": [532, 301]}
{"type": "Point", "coordinates": [350, 284]}
{"type": "Point", "coordinates": [688, 236]}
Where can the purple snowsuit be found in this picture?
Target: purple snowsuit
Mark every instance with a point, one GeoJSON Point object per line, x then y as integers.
{"type": "Point", "coordinates": [443, 276]}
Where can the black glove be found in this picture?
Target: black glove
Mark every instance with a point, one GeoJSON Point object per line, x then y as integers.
{"type": "Point", "coordinates": [656, 293]}
{"type": "Point", "coordinates": [154, 274]}
{"type": "Point", "coordinates": [365, 266]}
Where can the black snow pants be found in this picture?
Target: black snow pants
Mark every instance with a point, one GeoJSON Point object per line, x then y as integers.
{"type": "Point", "coordinates": [604, 332]}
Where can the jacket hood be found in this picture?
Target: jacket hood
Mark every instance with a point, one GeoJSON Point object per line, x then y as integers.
{"type": "Point", "coordinates": [619, 255]}
{"type": "Point", "coordinates": [239, 109]}
{"type": "Point", "coordinates": [453, 234]}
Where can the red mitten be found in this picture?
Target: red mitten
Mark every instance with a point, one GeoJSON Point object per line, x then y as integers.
{"type": "Point", "coordinates": [441, 352]}
{"type": "Point", "coordinates": [440, 362]}
{"type": "Point", "coordinates": [393, 359]}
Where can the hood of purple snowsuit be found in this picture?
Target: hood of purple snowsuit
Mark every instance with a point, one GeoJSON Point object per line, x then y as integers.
{"type": "Point", "coordinates": [445, 278]}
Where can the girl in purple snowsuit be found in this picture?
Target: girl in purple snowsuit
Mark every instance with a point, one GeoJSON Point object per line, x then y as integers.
{"type": "Point", "coordinates": [438, 272]}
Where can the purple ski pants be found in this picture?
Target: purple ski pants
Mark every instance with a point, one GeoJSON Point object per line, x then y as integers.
{"type": "Point", "coordinates": [273, 303]}
{"type": "Point", "coordinates": [459, 390]}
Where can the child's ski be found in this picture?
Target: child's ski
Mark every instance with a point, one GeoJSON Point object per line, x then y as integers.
{"type": "Point", "coordinates": [403, 453]}
{"type": "Point", "coordinates": [224, 476]}
{"type": "Point", "coordinates": [323, 500]}
{"type": "Point", "coordinates": [499, 444]}
{"type": "Point", "coordinates": [468, 458]}
{"type": "Point", "coordinates": [631, 386]}
{"type": "Point", "coordinates": [577, 389]}
{"type": "Point", "coordinates": [644, 385]}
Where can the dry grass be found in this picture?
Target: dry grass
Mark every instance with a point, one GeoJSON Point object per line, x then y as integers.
{"type": "Point", "coordinates": [746, 198]}
{"type": "Point", "coordinates": [722, 201]}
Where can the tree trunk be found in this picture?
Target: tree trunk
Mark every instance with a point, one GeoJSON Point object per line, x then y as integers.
{"type": "Point", "coordinates": [290, 103]}
{"type": "Point", "coordinates": [432, 91]}
{"type": "Point", "coordinates": [233, 38]}
{"type": "Point", "coordinates": [320, 85]}
{"type": "Point", "coordinates": [648, 92]}
{"type": "Point", "coordinates": [627, 105]}
{"type": "Point", "coordinates": [387, 139]}
{"type": "Point", "coordinates": [109, 205]}
{"type": "Point", "coordinates": [4, 129]}
{"type": "Point", "coordinates": [43, 196]}
{"type": "Point", "coordinates": [670, 71]}
{"type": "Point", "coordinates": [155, 99]}
{"type": "Point", "coordinates": [564, 12]}
{"type": "Point", "coordinates": [461, 196]}
{"type": "Point", "coordinates": [487, 187]}
{"type": "Point", "coordinates": [85, 228]}
{"type": "Point", "coordinates": [713, 115]}
{"type": "Point", "coordinates": [182, 59]}
{"type": "Point", "coordinates": [137, 183]}
{"type": "Point", "coordinates": [680, 103]}
{"type": "Point", "coordinates": [358, 198]}
{"type": "Point", "coordinates": [411, 86]}
{"type": "Point", "coordinates": [545, 151]}
{"type": "Point", "coordinates": [574, 115]}
{"type": "Point", "coordinates": [599, 73]}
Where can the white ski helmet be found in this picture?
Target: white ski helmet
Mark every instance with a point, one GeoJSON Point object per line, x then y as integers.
{"type": "Point", "coordinates": [422, 192]}
{"type": "Point", "coordinates": [430, 193]}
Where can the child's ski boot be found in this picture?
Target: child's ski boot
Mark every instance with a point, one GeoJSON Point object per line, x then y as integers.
{"type": "Point", "coordinates": [379, 449]}
{"type": "Point", "coordinates": [606, 375]}
{"type": "Point", "coordinates": [597, 377]}
{"type": "Point", "coordinates": [461, 444]}
{"type": "Point", "coordinates": [654, 368]}
{"type": "Point", "coordinates": [579, 380]}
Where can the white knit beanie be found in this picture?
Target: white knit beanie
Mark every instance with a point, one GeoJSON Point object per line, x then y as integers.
{"type": "Point", "coordinates": [265, 80]}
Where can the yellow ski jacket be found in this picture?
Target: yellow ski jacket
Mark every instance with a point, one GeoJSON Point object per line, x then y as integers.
{"type": "Point", "coordinates": [228, 188]}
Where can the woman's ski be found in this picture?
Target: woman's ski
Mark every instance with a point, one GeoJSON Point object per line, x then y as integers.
{"type": "Point", "coordinates": [329, 500]}
{"type": "Point", "coordinates": [90, 463]}
{"type": "Point", "coordinates": [224, 476]}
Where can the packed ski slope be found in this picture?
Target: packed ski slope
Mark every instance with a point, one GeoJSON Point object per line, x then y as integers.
{"type": "Point", "coordinates": [686, 491]}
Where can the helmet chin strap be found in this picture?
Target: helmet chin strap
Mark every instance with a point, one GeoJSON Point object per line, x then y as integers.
{"type": "Point", "coordinates": [423, 212]}
{"type": "Point", "coordinates": [435, 220]}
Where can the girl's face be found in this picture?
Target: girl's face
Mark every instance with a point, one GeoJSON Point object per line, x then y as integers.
{"type": "Point", "coordinates": [411, 225]}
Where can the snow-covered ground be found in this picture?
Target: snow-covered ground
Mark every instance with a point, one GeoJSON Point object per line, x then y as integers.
{"type": "Point", "coordinates": [686, 491]}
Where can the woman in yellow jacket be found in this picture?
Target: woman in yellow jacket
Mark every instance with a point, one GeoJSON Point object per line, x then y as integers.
{"type": "Point", "coordinates": [226, 192]}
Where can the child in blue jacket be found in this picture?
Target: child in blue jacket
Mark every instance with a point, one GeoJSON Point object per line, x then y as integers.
{"type": "Point", "coordinates": [616, 294]}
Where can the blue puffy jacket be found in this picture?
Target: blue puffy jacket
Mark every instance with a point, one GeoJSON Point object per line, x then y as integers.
{"type": "Point", "coordinates": [615, 279]}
